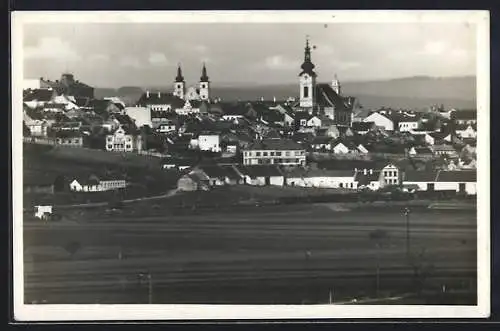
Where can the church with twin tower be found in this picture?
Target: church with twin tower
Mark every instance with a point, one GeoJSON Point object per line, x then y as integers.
{"type": "Point", "coordinates": [200, 92]}
{"type": "Point", "coordinates": [322, 99]}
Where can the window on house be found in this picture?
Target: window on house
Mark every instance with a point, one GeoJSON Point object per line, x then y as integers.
{"type": "Point", "coordinates": [306, 91]}
{"type": "Point", "coordinates": [287, 153]}
{"type": "Point", "coordinates": [271, 153]}
{"type": "Point", "coordinates": [257, 153]}
{"type": "Point", "coordinates": [264, 153]}
{"type": "Point", "coordinates": [259, 161]}
{"type": "Point", "coordinates": [278, 153]}
{"type": "Point", "coordinates": [341, 185]}
{"type": "Point", "coordinates": [297, 160]}
{"type": "Point", "coordinates": [110, 146]}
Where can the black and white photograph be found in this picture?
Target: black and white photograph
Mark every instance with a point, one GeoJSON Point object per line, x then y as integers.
{"type": "Point", "coordinates": [250, 165]}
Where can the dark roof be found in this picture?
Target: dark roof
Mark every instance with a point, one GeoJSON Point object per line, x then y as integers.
{"type": "Point", "coordinates": [363, 179]}
{"type": "Point", "coordinates": [362, 126]}
{"type": "Point", "coordinates": [99, 104]}
{"type": "Point", "coordinates": [327, 97]}
{"type": "Point", "coordinates": [259, 170]}
{"type": "Point", "coordinates": [468, 176]}
{"type": "Point", "coordinates": [464, 115]}
{"type": "Point", "coordinates": [39, 95]}
{"type": "Point", "coordinates": [322, 140]}
{"type": "Point", "coordinates": [68, 134]}
{"type": "Point", "coordinates": [82, 101]}
{"type": "Point", "coordinates": [419, 176]}
{"type": "Point", "coordinates": [217, 171]}
{"type": "Point", "coordinates": [54, 105]}
{"type": "Point", "coordinates": [275, 144]}
{"type": "Point", "coordinates": [423, 150]}
{"type": "Point", "coordinates": [162, 99]}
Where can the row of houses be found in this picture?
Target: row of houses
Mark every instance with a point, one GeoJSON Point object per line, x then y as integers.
{"type": "Point", "coordinates": [207, 177]}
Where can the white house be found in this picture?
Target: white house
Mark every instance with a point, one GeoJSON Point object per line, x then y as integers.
{"type": "Point", "coordinates": [314, 122]}
{"type": "Point", "coordinates": [96, 184]}
{"type": "Point", "coordinates": [466, 131]}
{"type": "Point", "coordinates": [275, 151]}
{"type": "Point", "coordinates": [462, 181]}
{"type": "Point", "coordinates": [408, 125]}
{"type": "Point", "coordinates": [261, 175]}
{"type": "Point", "coordinates": [167, 127]}
{"type": "Point", "coordinates": [209, 142]}
{"type": "Point", "coordinates": [190, 107]}
{"type": "Point", "coordinates": [380, 121]}
{"type": "Point", "coordinates": [36, 127]}
{"type": "Point", "coordinates": [123, 140]}
{"type": "Point", "coordinates": [140, 115]}
{"type": "Point", "coordinates": [42, 212]}
{"type": "Point", "coordinates": [390, 175]}
{"type": "Point", "coordinates": [322, 178]}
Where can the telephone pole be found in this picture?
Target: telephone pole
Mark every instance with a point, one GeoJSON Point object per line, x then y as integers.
{"type": "Point", "coordinates": [407, 215]}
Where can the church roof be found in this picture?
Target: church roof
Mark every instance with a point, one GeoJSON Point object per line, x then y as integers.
{"type": "Point", "coordinates": [204, 76]}
{"type": "Point", "coordinates": [179, 78]}
{"type": "Point", "coordinates": [327, 97]}
{"type": "Point", "coordinates": [307, 66]}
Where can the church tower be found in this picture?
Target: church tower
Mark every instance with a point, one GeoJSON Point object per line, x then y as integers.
{"type": "Point", "coordinates": [204, 84]}
{"type": "Point", "coordinates": [180, 85]}
{"type": "Point", "coordinates": [336, 85]}
{"type": "Point", "coordinates": [307, 80]}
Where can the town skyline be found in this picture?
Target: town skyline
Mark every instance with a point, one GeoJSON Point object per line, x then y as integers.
{"type": "Point", "coordinates": [103, 56]}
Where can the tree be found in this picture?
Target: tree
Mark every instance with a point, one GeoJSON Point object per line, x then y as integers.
{"type": "Point", "coordinates": [72, 247]}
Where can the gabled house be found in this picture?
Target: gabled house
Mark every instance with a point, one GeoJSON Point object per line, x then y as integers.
{"type": "Point", "coordinates": [219, 175]}
{"type": "Point", "coordinates": [123, 140]}
{"type": "Point", "coordinates": [332, 132]}
{"type": "Point", "coordinates": [37, 97]}
{"type": "Point", "coordinates": [341, 146]}
{"type": "Point", "coordinates": [159, 101]}
{"type": "Point", "coordinates": [261, 175]}
{"type": "Point", "coordinates": [380, 120]}
{"type": "Point", "coordinates": [466, 130]}
{"type": "Point", "coordinates": [464, 117]}
{"type": "Point", "coordinates": [313, 122]}
{"type": "Point", "coordinates": [95, 183]}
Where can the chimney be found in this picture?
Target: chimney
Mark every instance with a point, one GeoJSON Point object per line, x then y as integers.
{"type": "Point", "coordinates": [147, 94]}
{"type": "Point", "coordinates": [159, 94]}
{"type": "Point", "coordinates": [364, 171]}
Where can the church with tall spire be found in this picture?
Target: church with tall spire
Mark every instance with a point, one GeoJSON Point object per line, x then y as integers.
{"type": "Point", "coordinates": [322, 99]}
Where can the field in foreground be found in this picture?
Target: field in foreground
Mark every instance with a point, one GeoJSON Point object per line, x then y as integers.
{"type": "Point", "coordinates": [273, 256]}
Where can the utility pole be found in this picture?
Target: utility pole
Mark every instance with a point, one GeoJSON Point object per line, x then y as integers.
{"type": "Point", "coordinates": [150, 289]}
{"type": "Point", "coordinates": [407, 215]}
{"type": "Point", "coordinates": [150, 285]}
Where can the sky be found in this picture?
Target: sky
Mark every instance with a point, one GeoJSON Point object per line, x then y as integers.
{"type": "Point", "coordinates": [147, 54]}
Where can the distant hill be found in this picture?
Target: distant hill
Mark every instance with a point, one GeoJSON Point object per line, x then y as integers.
{"type": "Point", "coordinates": [411, 92]}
